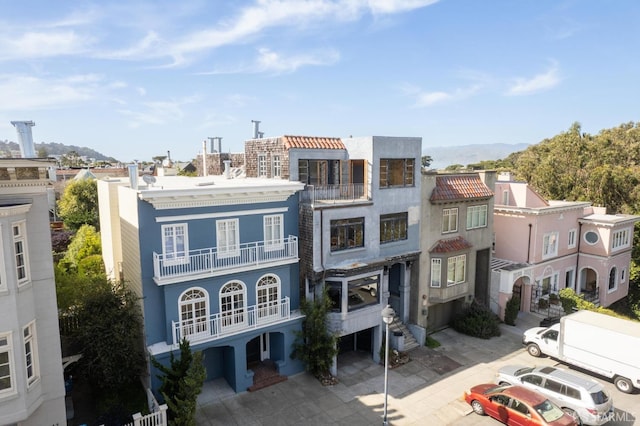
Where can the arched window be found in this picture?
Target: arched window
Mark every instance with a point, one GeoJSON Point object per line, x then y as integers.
{"type": "Point", "coordinates": [268, 290]}
{"type": "Point", "coordinates": [612, 278]}
{"type": "Point", "coordinates": [232, 305]}
{"type": "Point", "coordinates": [194, 312]}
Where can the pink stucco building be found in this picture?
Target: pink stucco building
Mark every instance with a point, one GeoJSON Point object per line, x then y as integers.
{"type": "Point", "coordinates": [543, 246]}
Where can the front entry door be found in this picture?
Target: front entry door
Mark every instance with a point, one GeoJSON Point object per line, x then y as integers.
{"type": "Point", "coordinates": [264, 346]}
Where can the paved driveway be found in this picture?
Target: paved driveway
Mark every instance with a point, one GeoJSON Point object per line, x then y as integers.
{"type": "Point", "coordinates": [427, 390]}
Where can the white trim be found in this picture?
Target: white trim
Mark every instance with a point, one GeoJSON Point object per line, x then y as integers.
{"type": "Point", "coordinates": [161, 219]}
{"type": "Point", "coordinates": [613, 269]}
{"type": "Point", "coordinates": [32, 339]}
{"type": "Point", "coordinates": [549, 250]}
{"type": "Point", "coordinates": [229, 250]}
{"type": "Point", "coordinates": [276, 242]}
{"type": "Point", "coordinates": [439, 267]}
{"type": "Point", "coordinates": [574, 232]}
{"type": "Point", "coordinates": [8, 348]}
{"type": "Point", "coordinates": [21, 237]}
{"type": "Point", "coordinates": [176, 259]}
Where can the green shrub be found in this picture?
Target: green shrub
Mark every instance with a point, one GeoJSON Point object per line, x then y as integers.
{"type": "Point", "coordinates": [478, 321]}
{"type": "Point", "coordinates": [511, 310]}
{"type": "Point", "coordinates": [543, 303]}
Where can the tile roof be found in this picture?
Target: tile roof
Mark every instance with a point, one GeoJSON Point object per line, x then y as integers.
{"type": "Point", "coordinates": [459, 187]}
{"type": "Point", "coordinates": [451, 245]}
{"type": "Point", "coordinates": [312, 142]}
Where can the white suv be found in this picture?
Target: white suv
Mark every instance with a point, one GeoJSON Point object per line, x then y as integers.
{"type": "Point", "coordinates": [585, 399]}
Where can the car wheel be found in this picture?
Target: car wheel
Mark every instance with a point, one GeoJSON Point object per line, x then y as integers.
{"type": "Point", "coordinates": [504, 384]}
{"type": "Point", "coordinates": [573, 414]}
{"type": "Point", "coordinates": [534, 350]}
{"type": "Point", "coordinates": [477, 407]}
{"type": "Point", "coordinates": [623, 384]}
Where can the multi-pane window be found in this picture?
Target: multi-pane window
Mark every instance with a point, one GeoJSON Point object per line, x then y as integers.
{"type": "Point", "coordinates": [449, 220]}
{"type": "Point", "coordinates": [396, 172]}
{"type": "Point", "coordinates": [194, 312]}
{"type": "Point", "coordinates": [175, 243]}
{"type": "Point", "coordinates": [273, 232]}
{"type": "Point", "coordinates": [347, 233]}
{"type": "Point", "coordinates": [613, 284]}
{"type": "Point", "coordinates": [267, 296]}
{"type": "Point", "coordinates": [276, 166]}
{"type": "Point", "coordinates": [7, 381]}
{"type": "Point", "coordinates": [228, 236]}
{"type": "Point", "coordinates": [477, 216]}
{"type": "Point", "coordinates": [572, 238]}
{"type": "Point", "coordinates": [505, 198]}
{"type": "Point", "coordinates": [436, 272]}
{"type": "Point", "coordinates": [620, 239]}
{"type": "Point", "coordinates": [456, 268]}
{"type": "Point", "coordinates": [30, 353]}
{"type": "Point", "coordinates": [232, 305]}
{"type": "Point", "coordinates": [550, 284]}
{"type": "Point", "coordinates": [262, 165]}
{"type": "Point", "coordinates": [20, 251]}
{"type": "Point", "coordinates": [550, 245]}
{"type": "Point", "coordinates": [393, 227]}
{"type": "Point", "coordinates": [363, 292]}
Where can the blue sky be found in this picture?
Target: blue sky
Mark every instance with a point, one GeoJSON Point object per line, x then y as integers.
{"type": "Point", "coordinates": [134, 79]}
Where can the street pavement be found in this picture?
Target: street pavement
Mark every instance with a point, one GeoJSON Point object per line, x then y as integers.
{"type": "Point", "coordinates": [427, 390]}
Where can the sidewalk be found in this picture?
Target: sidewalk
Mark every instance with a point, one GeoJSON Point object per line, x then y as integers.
{"type": "Point", "coordinates": [417, 392]}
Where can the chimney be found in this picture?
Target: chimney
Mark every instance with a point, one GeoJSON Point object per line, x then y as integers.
{"type": "Point", "coordinates": [256, 129]}
{"type": "Point", "coordinates": [25, 138]}
{"type": "Point", "coordinates": [227, 169]}
{"type": "Point", "coordinates": [204, 158]}
{"type": "Point", "coordinates": [133, 176]}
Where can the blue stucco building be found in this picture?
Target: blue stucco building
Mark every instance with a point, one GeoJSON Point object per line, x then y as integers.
{"type": "Point", "coordinates": [214, 260]}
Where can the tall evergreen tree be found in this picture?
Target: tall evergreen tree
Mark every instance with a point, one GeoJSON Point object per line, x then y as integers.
{"type": "Point", "coordinates": [181, 384]}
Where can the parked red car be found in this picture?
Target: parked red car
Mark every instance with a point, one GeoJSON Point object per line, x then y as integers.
{"type": "Point", "coordinates": [516, 405]}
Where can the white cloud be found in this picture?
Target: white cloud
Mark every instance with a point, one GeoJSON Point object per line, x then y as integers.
{"type": "Point", "coordinates": [535, 84]}
{"type": "Point", "coordinates": [397, 6]}
{"type": "Point", "coordinates": [427, 99]}
{"type": "Point", "coordinates": [158, 112]}
{"type": "Point", "coordinates": [269, 61]}
{"type": "Point", "coordinates": [27, 92]}
{"type": "Point", "coordinates": [42, 44]}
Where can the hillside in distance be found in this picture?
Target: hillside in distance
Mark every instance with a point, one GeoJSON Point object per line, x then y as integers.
{"type": "Point", "coordinates": [53, 149]}
{"type": "Point", "coordinates": [444, 156]}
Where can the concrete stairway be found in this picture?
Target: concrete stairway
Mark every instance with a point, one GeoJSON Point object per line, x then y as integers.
{"type": "Point", "coordinates": [410, 342]}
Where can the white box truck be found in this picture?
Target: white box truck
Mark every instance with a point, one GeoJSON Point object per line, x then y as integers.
{"type": "Point", "coordinates": [600, 343]}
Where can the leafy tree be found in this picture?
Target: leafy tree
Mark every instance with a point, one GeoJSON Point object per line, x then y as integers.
{"type": "Point", "coordinates": [110, 335]}
{"type": "Point", "coordinates": [78, 204]}
{"type": "Point", "coordinates": [426, 161]}
{"type": "Point", "coordinates": [42, 152]}
{"type": "Point", "coordinates": [477, 320]}
{"type": "Point", "coordinates": [86, 242]}
{"type": "Point", "coordinates": [72, 288]}
{"type": "Point", "coordinates": [315, 345]}
{"type": "Point", "coordinates": [181, 384]}
{"type": "Point", "coordinates": [511, 310]}
{"type": "Point", "coordinates": [91, 266]}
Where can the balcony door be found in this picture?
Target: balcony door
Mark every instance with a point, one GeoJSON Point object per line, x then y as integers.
{"type": "Point", "coordinates": [233, 310]}
{"type": "Point", "coordinates": [194, 313]}
{"type": "Point", "coordinates": [268, 289]}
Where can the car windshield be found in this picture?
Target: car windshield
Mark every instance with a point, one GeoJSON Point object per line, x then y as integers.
{"type": "Point", "coordinates": [549, 411]}
{"type": "Point", "coordinates": [600, 397]}
{"type": "Point", "coordinates": [522, 371]}
{"type": "Point", "coordinates": [495, 389]}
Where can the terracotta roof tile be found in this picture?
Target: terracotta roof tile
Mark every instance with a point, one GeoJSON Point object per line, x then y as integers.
{"type": "Point", "coordinates": [459, 187]}
{"type": "Point", "coordinates": [312, 142]}
{"type": "Point", "coordinates": [451, 245]}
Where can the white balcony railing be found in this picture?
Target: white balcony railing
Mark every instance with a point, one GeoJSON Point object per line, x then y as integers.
{"type": "Point", "coordinates": [211, 261]}
{"type": "Point", "coordinates": [334, 194]}
{"type": "Point", "coordinates": [220, 325]}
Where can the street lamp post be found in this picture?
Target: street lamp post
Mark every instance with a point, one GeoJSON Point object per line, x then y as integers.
{"type": "Point", "coordinates": [387, 317]}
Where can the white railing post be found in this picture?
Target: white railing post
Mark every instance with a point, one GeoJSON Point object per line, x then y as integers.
{"type": "Point", "coordinates": [163, 415]}
{"type": "Point", "coordinates": [137, 419]}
